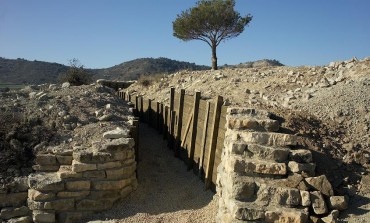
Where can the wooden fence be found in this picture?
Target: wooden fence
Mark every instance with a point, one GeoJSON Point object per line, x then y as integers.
{"type": "Point", "coordinates": [194, 128]}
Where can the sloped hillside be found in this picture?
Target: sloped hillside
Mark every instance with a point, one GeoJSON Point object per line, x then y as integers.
{"type": "Point", "coordinates": [133, 69]}
{"type": "Point", "coordinates": [22, 71]}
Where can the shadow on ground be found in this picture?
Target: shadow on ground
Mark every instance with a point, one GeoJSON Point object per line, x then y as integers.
{"type": "Point", "coordinates": [165, 185]}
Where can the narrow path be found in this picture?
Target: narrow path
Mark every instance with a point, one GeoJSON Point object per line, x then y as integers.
{"type": "Point", "coordinates": [167, 192]}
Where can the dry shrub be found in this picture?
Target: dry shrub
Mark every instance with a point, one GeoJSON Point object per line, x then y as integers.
{"type": "Point", "coordinates": [148, 80]}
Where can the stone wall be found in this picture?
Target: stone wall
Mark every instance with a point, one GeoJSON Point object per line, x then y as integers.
{"type": "Point", "coordinates": [70, 184]}
{"type": "Point", "coordinates": [264, 177]}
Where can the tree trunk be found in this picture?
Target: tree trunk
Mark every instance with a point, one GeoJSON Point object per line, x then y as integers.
{"type": "Point", "coordinates": [214, 57]}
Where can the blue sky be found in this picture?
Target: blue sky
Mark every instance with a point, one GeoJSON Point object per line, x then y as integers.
{"type": "Point", "coordinates": [108, 32]}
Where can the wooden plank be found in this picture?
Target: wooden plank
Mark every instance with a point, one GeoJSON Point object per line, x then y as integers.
{"type": "Point", "coordinates": [172, 99]}
{"type": "Point", "coordinates": [179, 122]}
{"type": "Point", "coordinates": [194, 129]}
{"type": "Point", "coordinates": [186, 130]}
{"type": "Point", "coordinates": [212, 148]}
{"type": "Point", "coordinates": [204, 138]}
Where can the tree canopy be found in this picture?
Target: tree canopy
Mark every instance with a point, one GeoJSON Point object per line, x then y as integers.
{"type": "Point", "coordinates": [211, 21]}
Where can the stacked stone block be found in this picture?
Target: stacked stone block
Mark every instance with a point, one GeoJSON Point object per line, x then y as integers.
{"type": "Point", "coordinates": [264, 177]}
{"type": "Point", "coordinates": [13, 202]}
{"type": "Point", "coordinates": [87, 179]}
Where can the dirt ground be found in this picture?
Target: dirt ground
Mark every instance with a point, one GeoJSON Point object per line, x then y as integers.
{"type": "Point", "coordinates": [167, 192]}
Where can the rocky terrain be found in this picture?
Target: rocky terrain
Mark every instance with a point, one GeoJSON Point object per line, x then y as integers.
{"type": "Point", "coordinates": [38, 117]}
{"type": "Point", "coordinates": [329, 106]}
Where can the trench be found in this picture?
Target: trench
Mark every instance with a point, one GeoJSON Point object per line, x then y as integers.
{"type": "Point", "coordinates": [166, 192]}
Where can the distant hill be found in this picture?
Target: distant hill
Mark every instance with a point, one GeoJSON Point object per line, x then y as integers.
{"type": "Point", "coordinates": [258, 63]}
{"type": "Point", "coordinates": [132, 70]}
{"type": "Point", "coordinates": [20, 71]}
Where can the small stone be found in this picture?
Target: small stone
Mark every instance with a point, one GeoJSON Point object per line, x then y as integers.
{"type": "Point", "coordinates": [305, 198]}
{"type": "Point", "coordinates": [32, 95]}
{"type": "Point", "coordinates": [300, 156]}
{"type": "Point", "coordinates": [318, 203]}
{"type": "Point", "coordinates": [338, 202]}
{"type": "Point", "coordinates": [44, 216]}
{"type": "Point", "coordinates": [332, 217]}
{"type": "Point", "coordinates": [307, 169]}
{"type": "Point", "coordinates": [321, 184]}
{"type": "Point", "coordinates": [285, 217]}
{"type": "Point", "coordinates": [105, 118]}
{"type": "Point", "coordinates": [66, 85]}
{"type": "Point", "coordinates": [117, 133]}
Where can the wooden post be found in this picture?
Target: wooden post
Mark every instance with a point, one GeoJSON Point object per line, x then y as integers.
{"type": "Point", "coordinates": [194, 129]}
{"type": "Point", "coordinates": [161, 118]}
{"type": "Point", "coordinates": [141, 107]}
{"type": "Point", "coordinates": [137, 105]}
{"type": "Point", "coordinates": [179, 122]}
{"type": "Point", "coordinates": [212, 146]}
{"type": "Point", "coordinates": [124, 96]}
{"type": "Point", "coordinates": [172, 99]}
{"type": "Point", "coordinates": [204, 139]}
{"type": "Point", "coordinates": [149, 112]}
{"type": "Point", "coordinates": [172, 130]}
{"type": "Point", "coordinates": [165, 124]}
{"type": "Point", "coordinates": [129, 97]}
{"type": "Point", "coordinates": [158, 116]}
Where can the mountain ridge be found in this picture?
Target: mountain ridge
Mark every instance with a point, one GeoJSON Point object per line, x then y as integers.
{"type": "Point", "coordinates": [21, 71]}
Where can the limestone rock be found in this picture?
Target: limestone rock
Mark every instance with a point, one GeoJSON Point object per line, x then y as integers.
{"type": "Point", "coordinates": [278, 154]}
{"type": "Point", "coordinates": [12, 199]}
{"type": "Point", "coordinates": [81, 167]}
{"type": "Point", "coordinates": [106, 118]}
{"type": "Point", "coordinates": [307, 168]}
{"type": "Point", "coordinates": [78, 185]}
{"type": "Point", "coordinates": [66, 85]}
{"type": "Point", "coordinates": [288, 196]}
{"type": "Point", "coordinates": [43, 216]}
{"type": "Point", "coordinates": [255, 166]}
{"type": "Point", "coordinates": [117, 133]}
{"type": "Point", "coordinates": [300, 156]}
{"type": "Point", "coordinates": [8, 213]}
{"type": "Point", "coordinates": [321, 184]}
{"type": "Point", "coordinates": [39, 196]}
{"type": "Point", "coordinates": [46, 159]}
{"type": "Point", "coordinates": [25, 219]}
{"type": "Point", "coordinates": [331, 218]}
{"type": "Point", "coordinates": [282, 216]}
{"type": "Point", "coordinates": [318, 203]}
{"type": "Point", "coordinates": [305, 198]}
{"type": "Point", "coordinates": [338, 202]}
{"type": "Point", "coordinates": [268, 139]}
